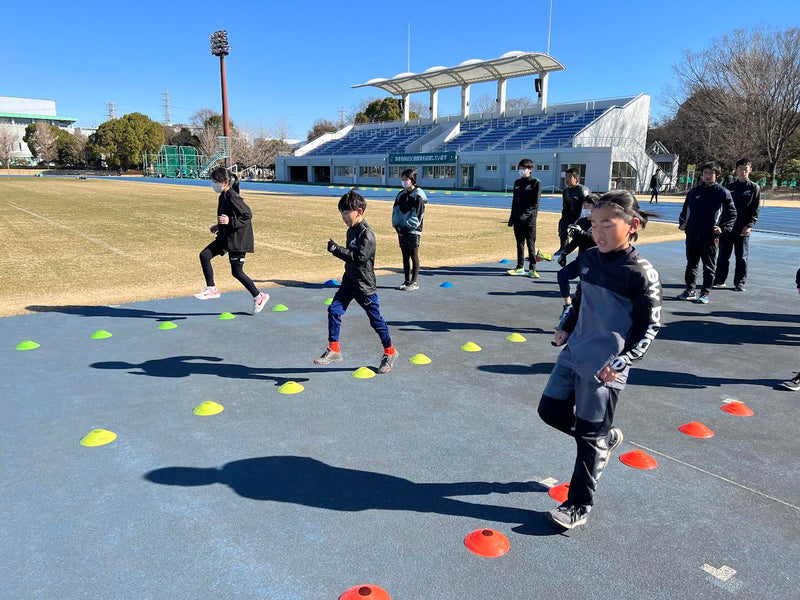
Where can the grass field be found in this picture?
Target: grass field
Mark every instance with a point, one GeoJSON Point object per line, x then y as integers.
{"type": "Point", "coordinates": [95, 242]}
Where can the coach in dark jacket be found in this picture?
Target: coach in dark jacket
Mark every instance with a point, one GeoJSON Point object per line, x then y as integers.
{"type": "Point", "coordinates": [707, 212]}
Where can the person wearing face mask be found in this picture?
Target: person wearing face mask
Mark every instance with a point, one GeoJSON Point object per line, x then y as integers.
{"type": "Point", "coordinates": [407, 215]}
{"type": "Point", "coordinates": [580, 238]}
{"type": "Point", "coordinates": [234, 235]}
{"type": "Point", "coordinates": [524, 209]}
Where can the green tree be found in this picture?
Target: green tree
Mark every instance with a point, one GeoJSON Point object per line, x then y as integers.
{"type": "Point", "coordinates": [181, 137]}
{"type": "Point", "coordinates": [383, 110]}
{"type": "Point", "coordinates": [320, 127]}
{"type": "Point", "coordinates": [120, 143]}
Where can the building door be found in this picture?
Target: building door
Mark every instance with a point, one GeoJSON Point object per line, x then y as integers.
{"type": "Point", "coordinates": [467, 177]}
{"type": "Point", "coordinates": [322, 174]}
{"type": "Point", "coordinates": [298, 173]}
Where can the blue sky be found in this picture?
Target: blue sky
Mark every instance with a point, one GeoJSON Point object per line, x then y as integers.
{"type": "Point", "coordinates": [297, 60]}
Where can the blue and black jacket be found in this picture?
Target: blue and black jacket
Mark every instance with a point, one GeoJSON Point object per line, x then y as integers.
{"type": "Point", "coordinates": [706, 207]}
{"type": "Point", "coordinates": [615, 314]}
{"type": "Point", "coordinates": [409, 211]}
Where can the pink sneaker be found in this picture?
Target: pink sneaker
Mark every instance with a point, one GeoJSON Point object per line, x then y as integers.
{"type": "Point", "coordinates": [259, 302]}
{"type": "Point", "coordinates": [208, 294]}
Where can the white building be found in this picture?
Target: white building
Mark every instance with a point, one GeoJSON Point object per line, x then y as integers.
{"type": "Point", "coordinates": [17, 113]}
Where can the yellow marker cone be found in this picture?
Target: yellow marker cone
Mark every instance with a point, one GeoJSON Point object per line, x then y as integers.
{"type": "Point", "coordinates": [516, 337]}
{"type": "Point", "coordinates": [98, 437]}
{"type": "Point", "coordinates": [27, 345]}
{"type": "Point", "coordinates": [208, 408]}
{"type": "Point", "coordinates": [363, 373]}
{"type": "Point", "coordinates": [226, 316]}
{"type": "Point", "coordinates": [291, 387]}
{"type": "Point", "coordinates": [471, 347]}
{"type": "Point", "coordinates": [328, 301]}
{"type": "Point", "coordinates": [101, 334]}
{"type": "Point", "coordinates": [280, 308]}
{"type": "Point", "coordinates": [419, 359]}
{"type": "Point", "coordinates": [167, 325]}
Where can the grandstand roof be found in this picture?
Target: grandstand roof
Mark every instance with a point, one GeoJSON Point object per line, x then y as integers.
{"type": "Point", "coordinates": [511, 64]}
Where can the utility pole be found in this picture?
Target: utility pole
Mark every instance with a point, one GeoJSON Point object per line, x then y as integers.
{"type": "Point", "coordinates": [111, 110]}
{"type": "Point", "coordinates": [167, 109]}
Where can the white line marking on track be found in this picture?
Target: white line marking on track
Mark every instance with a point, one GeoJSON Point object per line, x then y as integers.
{"type": "Point", "coordinates": [724, 573]}
{"type": "Point", "coordinates": [549, 482]}
{"type": "Point", "coordinates": [68, 228]}
{"type": "Point", "coordinates": [725, 479]}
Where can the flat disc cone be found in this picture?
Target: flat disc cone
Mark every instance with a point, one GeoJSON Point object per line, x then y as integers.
{"type": "Point", "coordinates": [504, 261]}
{"type": "Point", "coordinates": [696, 429]}
{"type": "Point", "coordinates": [487, 542]}
{"type": "Point", "coordinates": [280, 308]}
{"type": "Point", "coordinates": [291, 387]}
{"type": "Point", "coordinates": [363, 373]}
{"type": "Point", "coordinates": [471, 347]}
{"type": "Point", "coordinates": [27, 345]}
{"type": "Point", "coordinates": [740, 409]}
{"type": "Point", "coordinates": [208, 408]}
{"type": "Point", "coordinates": [559, 492]}
{"type": "Point", "coordinates": [101, 334]}
{"type": "Point", "coordinates": [98, 437]}
{"type": "Point", "coordinates": [226, 316]}
{"type": "Point", "coordinates": [167, 325]}
{"type": "Point", "coordinates": [638, 460]}
{"type": "Point", "coordinates": [419, 359]}
{"type": "Point", "coordinates": [328, 301]}
{"type": "Point", "coordinates": [331, 283]}
{"type": "Point", "coordinates": [365, 592]}
{"type": "Point", "coordinates": [516, 337]}
{"type": "Point", "coordinates": [446, 284]}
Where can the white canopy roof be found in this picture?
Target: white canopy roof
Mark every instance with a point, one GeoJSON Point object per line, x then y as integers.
{"type": "Point", "coordinates": [511, 64]}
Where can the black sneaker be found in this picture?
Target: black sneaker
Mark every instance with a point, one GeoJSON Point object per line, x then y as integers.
{"type": "Point", "coordinates": [412, 286]}
{"type": "Point", "coordinates": [387, 362]}
{"type": "Point", "coordinates": [614, 439]}
{"type": "Point", "coordinates": [687, 295]}
{"type": "Point", "coordinates": [404, 286]}
{"type": "Point", "coordinates": [793, 384]}
{"type": "Point", "coordinates": [739, 288]}
{"type": "Point", "coordinates": [568, 516]}
{"type": "Point", "coordinates": [719, 286]}
{"type": "Point", "coordinates": [328, 357]}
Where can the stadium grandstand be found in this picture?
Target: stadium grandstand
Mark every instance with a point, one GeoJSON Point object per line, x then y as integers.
{"type": "Point", "coordinates": [17, 113]}
{"type": "Point", "coordinates": [603, 139]}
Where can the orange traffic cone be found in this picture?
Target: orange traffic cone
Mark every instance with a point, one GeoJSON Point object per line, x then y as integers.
{"type": "Point", "coordinates": [559, 492]}
{"type": "Point", "coordinates": [487, 542]}
{"type": "Point", "coordinates": [696, 429]}
{"type": "Point", "coordinates": [740, 409]}
{"type": "Point", "coordinates": [365, 592]}
{"type": "Point", "coordinates": [638, 460]}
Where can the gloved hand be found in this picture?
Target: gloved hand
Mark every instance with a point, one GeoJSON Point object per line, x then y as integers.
{"type": "Point", "coordinates": [573, 229]}
{"type": "Point", "coordinates": [562, 260]}
{"type": "Point", "coordinates": [332, 246]}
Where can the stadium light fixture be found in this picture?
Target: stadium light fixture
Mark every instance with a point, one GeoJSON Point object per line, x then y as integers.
{"type": "Point", "coordinates": [221, 48]}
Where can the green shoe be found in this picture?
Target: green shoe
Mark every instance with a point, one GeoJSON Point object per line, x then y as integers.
{"type": "Point", "coordinates": [543, 256]}
{"type": "Point", "coordinates": [533, 273]}
{"type": "Point", "coordinates": [519, 271]}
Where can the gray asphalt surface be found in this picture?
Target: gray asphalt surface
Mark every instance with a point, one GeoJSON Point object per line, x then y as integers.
{"type": "Point", "coordinates": [378, 481]}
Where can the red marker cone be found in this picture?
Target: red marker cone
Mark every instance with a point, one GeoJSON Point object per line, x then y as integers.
{"type": "Point", "coordinates": [365, 592]}
{"type": "Point", "coordinates": [559, 492]}
{"type": "Point", "coordinates": [696, 429]}
{"type": "Point", "coordinates": [487, 542]}
{"type": "Point", "coordinates": [740, 409]}
{"type": "Point", "coordinates": [638, 460]}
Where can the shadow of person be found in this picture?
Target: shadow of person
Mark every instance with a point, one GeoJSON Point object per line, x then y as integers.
{"type": "Point", "coordinates": [310, 482]}
{"type": "Point", "coordinates": [184, 366]}
{"type": "Point", "coordinates": [443, 326]}
{"type": "Point", "coordinates": [519, 369]}
{"type": "Point", "coordinates": [119, 312]}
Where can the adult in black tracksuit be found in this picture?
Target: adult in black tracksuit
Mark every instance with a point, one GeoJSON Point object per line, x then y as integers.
{"type": "Point", "coordinates": [707, 212]}
{"type": "Point", "coordinates": [581, 239]}
{"type": "Point", "coordinates": [746, 197]}
{"type": "Point", "coordinates": [655, 185]}
{"type": "Point", "coordinates": [524, 210]}
{"type": "Point", "coordinates": [571, 202]}
{"type": "Point", "coordinates": [234, 231]}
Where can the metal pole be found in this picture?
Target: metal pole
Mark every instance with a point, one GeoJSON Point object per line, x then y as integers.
{"type": "Point", "coordinates": [225, 126]}
{"type": "Point", "coordinates": [549, 24]}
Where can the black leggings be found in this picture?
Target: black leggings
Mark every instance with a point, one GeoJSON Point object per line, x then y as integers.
{"type": "Point", "coordinates": [410, 263]}
{"type": "Point", "coordinates": [237, 266]}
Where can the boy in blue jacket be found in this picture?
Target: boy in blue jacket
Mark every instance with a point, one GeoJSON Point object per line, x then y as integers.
{"type": "Point", "coordinates": [708, 211]}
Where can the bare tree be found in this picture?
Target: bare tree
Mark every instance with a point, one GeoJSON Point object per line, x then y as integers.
{"type": "Point", "coordinates": [750, 80]}
{"type": "Point", "coordinates": [8, 140]}
{"type": "Point", "coordinates": [421, 108]}
{"type": "Point", "coordinates": [45, 143]}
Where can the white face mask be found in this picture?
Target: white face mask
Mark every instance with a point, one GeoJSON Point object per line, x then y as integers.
{"type": "Point", "coordinates": [523, 172]}
{"type": "Point", "coordinates": [586, 212]}
{"type": "Point", "coordinates": [216, 186]}
{"type": "Point", "coordinates": [406, 183]}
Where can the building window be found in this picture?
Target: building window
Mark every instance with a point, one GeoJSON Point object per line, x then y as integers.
{"type": "Point", "coordinates": [344, 171]}
{"type": "Point", "coordinates": [581, 173]}
{"type": "Point", "coordinates": [542, 167]}
{"type": "Point", "coordinates": [513, 168]}
{"type": "Point", "coordinates": [439, 172]}
{"type": "Point", "coordinates": [395, 170]}
{"type": "Point", "coordinates": [491, 167]}
{"type": "Point", "coordinates": [623, 176]}
{"type": "Point", "coordinates": [371, 171]}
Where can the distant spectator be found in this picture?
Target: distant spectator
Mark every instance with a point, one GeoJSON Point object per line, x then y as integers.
{"type": "Point", "coordinates": [655, 185]}
{"type": "Point", "coordinates": [571, 202]}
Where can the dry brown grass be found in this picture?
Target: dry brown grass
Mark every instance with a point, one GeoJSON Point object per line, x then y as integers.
{"type": "Point", "coordinates": [94, 242]}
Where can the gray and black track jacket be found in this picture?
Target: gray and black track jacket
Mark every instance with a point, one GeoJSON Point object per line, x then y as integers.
{"type": "Point", "coordinates": [525, 201]}
{"type": "Point", "coordinates": [706, 207]}
{"type": "Point", "coordinates": [746, 197]}
{"type": "Point", "coordinates": [237, 235]}
{"type": "Point", "coordinates": [615, 315]}
{"type": "Point", "coordinates": [359, 258]}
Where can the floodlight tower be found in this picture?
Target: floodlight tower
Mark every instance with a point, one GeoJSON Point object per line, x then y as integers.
{"type": "Point", "coordinates": [220, 47]}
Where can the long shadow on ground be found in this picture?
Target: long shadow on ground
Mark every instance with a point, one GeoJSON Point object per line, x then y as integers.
{"type": "Point", "coordinates": [184, 366]}
{"type": "Point", "coordinates": [121, 312]}
{"type": "Point", "coordinates": [310, 482]}
{"type": "Point", "coordinates": [441, 326]}
{"type": "Point", "coordinates": [715, 332]}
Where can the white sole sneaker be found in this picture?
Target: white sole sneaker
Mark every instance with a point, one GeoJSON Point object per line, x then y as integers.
{"type": "Point", "coordinates": [206, 294]}
{"type": "Point", "coordinates": [260, 302]}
